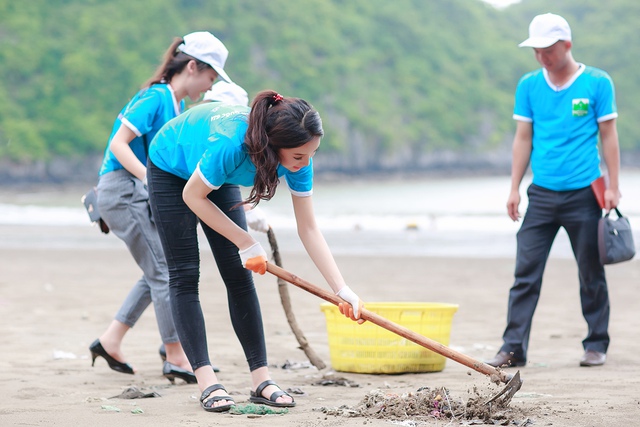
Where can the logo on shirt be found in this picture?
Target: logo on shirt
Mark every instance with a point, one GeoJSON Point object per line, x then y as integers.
{"type": "Point", "coordinates": [580, 107]}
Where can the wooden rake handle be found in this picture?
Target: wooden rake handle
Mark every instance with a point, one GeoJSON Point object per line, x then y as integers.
{"type": "Point", "coordinates": [372, 317]}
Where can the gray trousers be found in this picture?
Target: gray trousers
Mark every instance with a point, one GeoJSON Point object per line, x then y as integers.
{"type": "Point", "coordinates": [124, 205]}
{"type": "Point", "coordinates": [578, 213]}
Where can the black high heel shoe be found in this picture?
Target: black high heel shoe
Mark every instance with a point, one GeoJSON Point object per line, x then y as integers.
{"type": "Point", "coordinates": [171, 371]}
{"type": "Point", "coordinates": [97, 350]}
{"type": "Point", "coordinates": [163, 355]}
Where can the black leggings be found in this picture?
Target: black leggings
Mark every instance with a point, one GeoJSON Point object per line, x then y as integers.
{"type": "Point", "coordinates": [176, 225]}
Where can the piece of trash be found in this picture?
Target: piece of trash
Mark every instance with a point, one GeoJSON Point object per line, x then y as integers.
{"type": "Point", "coordinates": [296, 390]}
{"type": "Point", "coordinates": [295, 365]}
{"type": "Point", "coordinates": [253, 409]}
{"type": "Point", "coordinates": [342, 411]}
{"type": "Point", "coordinates": [59, 354]}
{"type": "Point", "coordinates": [110, 408]}
{"type": "Point", "coordinates": [336, 381]}
{"type": "Point", "coordinates": [137, 411]}
{"type": "Point", "coordinates": [135, 393]}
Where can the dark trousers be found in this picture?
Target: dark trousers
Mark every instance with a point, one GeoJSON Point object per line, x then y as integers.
{"type": "Point", "coordinates": [578, 213]}
{"type": "Point", "coordinates": [177, 229]}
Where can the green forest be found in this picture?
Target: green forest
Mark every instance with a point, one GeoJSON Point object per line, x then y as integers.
{"type": "Point", "coordinates": [398, 83]}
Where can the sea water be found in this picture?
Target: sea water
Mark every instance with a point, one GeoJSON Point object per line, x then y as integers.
{"type": "Point", "coordinates": [450, 216]}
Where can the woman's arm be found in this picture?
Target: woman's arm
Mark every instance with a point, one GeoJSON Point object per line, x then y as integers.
{"type": "Point", "coordinates": [319, 251]}
{"type": "Point", "coordinates": [195, 196]}
{"type": "Point", "coordinates": [314, 242]}
{"type": "Point", "coordinates": [125, 155]}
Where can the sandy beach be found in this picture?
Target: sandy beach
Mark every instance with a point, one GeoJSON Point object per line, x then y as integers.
{"type": "Point", "coordinates": [56, 299]}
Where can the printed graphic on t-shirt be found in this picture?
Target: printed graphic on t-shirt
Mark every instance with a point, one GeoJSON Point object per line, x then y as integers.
{"type": "Point", "coordinates": [580, 107]}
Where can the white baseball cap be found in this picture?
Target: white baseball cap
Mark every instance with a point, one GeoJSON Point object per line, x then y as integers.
{"type": "Point", "coordinates": [546, 30]}
{"type": "Point", "coordinates": [205, 47]}
{"type": "Point", "coordinates": [229, 93]}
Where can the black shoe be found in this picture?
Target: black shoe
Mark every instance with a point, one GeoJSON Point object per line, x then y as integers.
{"type": "Point", "coordinates": [505, 360]}
{"type": "Point", "coordinates": [97, 350]}
{"type": "Point", "coordinates": [171, 371]}
{"type": "Point", "coordinates": [163, 355]}
{"type": "Point", "coordinates": [593, 358]}
{"type": "Point", "coordinates": [207, 401]}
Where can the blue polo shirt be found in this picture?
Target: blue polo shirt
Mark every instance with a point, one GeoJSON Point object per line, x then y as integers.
{"type": "Point", "coordinates": [565, 122]}
{"type": "Point", "coordinates": [144, 115]}
{"type": "Point", "coordinates": [209, 140]}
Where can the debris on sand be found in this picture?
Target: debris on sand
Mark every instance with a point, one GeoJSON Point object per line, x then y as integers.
{"type": "Point", "coordinates": [135, 393]}
{"type": "Point", "coordinates": [427, 404]}
{"type": "Point", "coordinates": [293, 365]}
{"type": "Point", "coordinates": [334, 380]}
{"type": "Point", "coordinates": [296, 390]}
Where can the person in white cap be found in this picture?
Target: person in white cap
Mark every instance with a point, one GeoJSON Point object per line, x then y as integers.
{"type": "Point", "coordinates": [190, 66]}
{"type": "Point", "coordinates": [229, 93]}
{"type": "Point", "coordinates": [561, 110]}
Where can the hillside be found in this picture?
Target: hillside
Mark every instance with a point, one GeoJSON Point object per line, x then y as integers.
{"type": "Point", "coordinates": [407, 85]}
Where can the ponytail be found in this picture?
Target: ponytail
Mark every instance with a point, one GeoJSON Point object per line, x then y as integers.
{"type": "Point", "coordinates": [275, 123]}
{"type": "Point", "coordinates": [173, 62]}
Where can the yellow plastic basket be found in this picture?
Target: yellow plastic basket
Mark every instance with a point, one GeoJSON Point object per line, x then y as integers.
{"type": "Point", "coordinates": [371, 349]}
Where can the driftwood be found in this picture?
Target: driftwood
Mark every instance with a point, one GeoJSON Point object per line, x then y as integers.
{"type": "Point", "coordinates": [283, 289]}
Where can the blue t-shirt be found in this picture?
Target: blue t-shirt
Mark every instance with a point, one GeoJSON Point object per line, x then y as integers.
{"type": "Point", "coordinates": [144, 115]}
{"type": "Point", "coordinates": [209, 139]}
{"type": "Point", "coordinates": [565, 122]}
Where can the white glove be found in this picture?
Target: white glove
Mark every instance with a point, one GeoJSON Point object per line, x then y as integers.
{"type": "Point", "coordinates": [349, 296]}
{"type": "Point", "coordinates": [257, 220]}
{"type": "Point", "coordinates": [254, 258]}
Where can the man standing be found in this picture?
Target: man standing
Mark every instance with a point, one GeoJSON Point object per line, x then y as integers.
{"type": "Point", "coordinates": [560, 110]}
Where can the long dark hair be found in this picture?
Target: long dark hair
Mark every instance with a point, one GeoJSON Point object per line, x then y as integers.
{"type": "Point", "coordinates": [275, 123]}
{"type": "Point", "coordinates": [173, 62]}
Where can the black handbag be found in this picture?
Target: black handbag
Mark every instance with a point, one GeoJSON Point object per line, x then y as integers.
{"type": "Point", "coordinates": [90, 201]}
{"type": "Point", "coordinates": [615, 239]}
